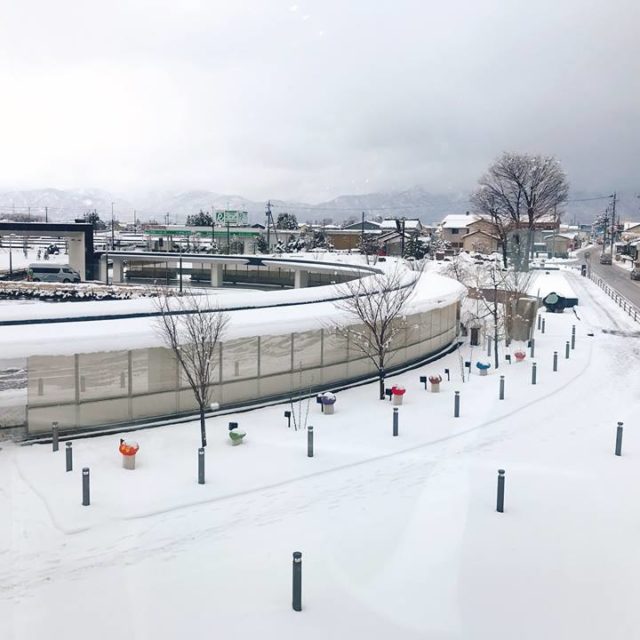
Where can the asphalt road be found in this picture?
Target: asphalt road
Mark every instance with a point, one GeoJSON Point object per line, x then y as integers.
{"type": "Point", "coordinates": [615, 277]}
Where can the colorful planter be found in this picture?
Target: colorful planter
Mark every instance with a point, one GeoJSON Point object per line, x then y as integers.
{"type": "Point", "coordinates": [128, 449]}
{"type": "Point", "coordinates": [397, 392]}
{"type": "Point", "coordinates": [328, 400]}
{"type": "Point", "coordinates": [483, 367]}
{"type": "Point", "coordinates": [435, 383]}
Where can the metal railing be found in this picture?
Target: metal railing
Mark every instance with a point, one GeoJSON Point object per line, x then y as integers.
{"type": "Point", "coordinates": [620, 300]}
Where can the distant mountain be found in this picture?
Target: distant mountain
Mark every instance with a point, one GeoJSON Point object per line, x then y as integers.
{"type": "Point", "coordinates": [410, 203]}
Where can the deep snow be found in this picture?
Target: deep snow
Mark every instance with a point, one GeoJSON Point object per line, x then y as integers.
{"type": "Point", "coordinates": [400, 537]}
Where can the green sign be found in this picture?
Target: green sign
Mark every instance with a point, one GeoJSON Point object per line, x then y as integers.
{"type": "Point", "coordinates": [232, 217]}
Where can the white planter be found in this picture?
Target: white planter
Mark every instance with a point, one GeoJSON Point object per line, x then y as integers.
{"type": "Point", "coordinates": [396, 399]}
{"type": "Point", "coordinates": [327, 408]}
{"type": "Point", "coordinates": [435, 387]}
{"type": "Point", "coordinates": [483, 372]}
{"type": "Point", "coordinates": [129, 462]}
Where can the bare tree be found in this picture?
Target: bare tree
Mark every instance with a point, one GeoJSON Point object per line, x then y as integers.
{"type": "Point", "coordinates": [517, 191]}
{"type": "Point", "coordinates": [191, 328]}
{"type": "Point", "coordinates": [378, 303]}
{"type": "Point", "coordinates": [497, 292]}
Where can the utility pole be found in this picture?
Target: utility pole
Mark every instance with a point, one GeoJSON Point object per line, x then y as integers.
{"type": "Point", "coordinates": [46, 214]}
{"type": "Point", "coordinates": [135, 224]}
{"type": "Point", "coordinates": [613, 222]}
{"type": "Point", "coordinates": [268, 224]}
{"type": "Point", "coordinates": [556, 225]}
{"type": "Point", "coordinates": [113, 227]}
{"type": "Point", "coordinates": [605, 228]}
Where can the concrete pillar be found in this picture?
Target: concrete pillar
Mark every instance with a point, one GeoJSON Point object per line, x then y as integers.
{"type": "Point", "coordinates": [103, 268]}
{"type": "Point", "coordinates": [77, 257]}
{"type": "Point", "coordinates": [216, 275]}
{"type": "Point", "coordinates": [301, 279]}
{"type": "Point", "coordinates": [117, 270]}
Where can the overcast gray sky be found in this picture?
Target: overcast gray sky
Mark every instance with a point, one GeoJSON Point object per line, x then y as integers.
{"type": "Point", "coordinates": [311, 99]}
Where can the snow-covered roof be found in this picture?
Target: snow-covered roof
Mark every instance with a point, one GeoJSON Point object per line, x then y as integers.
{"type": "Point", "coordinates": [565, 236]}
{"type": "Point", "coordinates": [408, 224]}
{"type": "Point", "coordinates": [459, 221]}
{"type": "Point", "coordinates": [484, 233]}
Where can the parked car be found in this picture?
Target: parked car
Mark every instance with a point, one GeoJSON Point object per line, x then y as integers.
{"type": "Point", "coordinates": [635, 274]}
{"type": "Point", "coordinates": [605, 258]}
{"type": "Point", "coordinates": [52, 273]}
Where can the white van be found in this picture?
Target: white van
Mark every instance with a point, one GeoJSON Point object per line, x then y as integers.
{"type": "Point", "coordinates": [53, 273]}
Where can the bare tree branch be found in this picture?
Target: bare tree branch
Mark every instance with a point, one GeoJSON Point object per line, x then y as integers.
{"type": "Point", "coordinates": [519, 190]}
{"type": "Point", "coordinates": [192, 329]}
{"type": "Point", "coordinates": [377, 302]}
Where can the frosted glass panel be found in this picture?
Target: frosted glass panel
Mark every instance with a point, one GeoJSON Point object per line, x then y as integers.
{"type": "Point", "coordinates": [103, 375]}
{"type": "Point", "coordinates": [306, 349]}
{"type": "Point", "coordinates": [239, 359]}
{"type": "Point", "coordinates": [275, 354]}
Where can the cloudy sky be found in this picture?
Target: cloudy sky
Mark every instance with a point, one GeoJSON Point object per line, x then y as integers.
{"type": "Point", "coordinates": [311, 99]}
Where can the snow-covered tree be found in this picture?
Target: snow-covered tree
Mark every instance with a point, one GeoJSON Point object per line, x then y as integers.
{"type": "Point", "coordinates": [517, 191]}
{"type": "Point", "coordinates": [192, 328]}
{"type": "Point", "coordinates": [377, 302]}
{"type": "Point", "coordinates": [287, 221]}
{"type": "Point", "coordinates": [200, 219]}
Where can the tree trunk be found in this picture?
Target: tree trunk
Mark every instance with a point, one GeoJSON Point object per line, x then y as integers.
{"type": "Point", "coordinates": [203, 428]}
{"type": "Point", "coordinates": [495, 331]}
{"type": "Point", "coordinates": [381, 382]}
{"type": "Point", "coordinates": [504, 252]}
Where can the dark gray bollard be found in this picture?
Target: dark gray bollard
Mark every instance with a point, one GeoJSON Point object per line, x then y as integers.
{"type": "Point", "coordinates": [501, 394]}
{"type": "Point", "coordinates": [456, 405]}
{"type": "Point", "coordinates": [566, 351]}
{"type": "Point", "coordinates": [533, 347]}
{"type": "Point", "coordinates": [201, 465]}
{"type": "Point", "coordinates": [534, 377]}
{"type": "Point", "coordinates": [395, 421]}
{"type": "Point", "coordinates": [69, 457]}
{"type": "Point", "coordinates": [619, 439]}
{"type": "Point", "coordinates": [544, 324]}
{"type": "Point", "coordinates": [297, 581]}
{"type": "Point", "coordinates": [555, 360]}
{"type": "Point", "coordinates": [310, 442]}
{"type": "Point", "coordinates": [287, 415]}
{"type": "Point", "coordinates": [86, 501]}
{"type": "Point", "coordinates": [488, 345]}
{"type": "Point", "coordinates": [539, 318]}
{"type": "Point", "coordinates": [55, 436]}
{"type": "Point", "coordinates": [500, 501]}
{"type": "Point", "coordinates": [573, 336]}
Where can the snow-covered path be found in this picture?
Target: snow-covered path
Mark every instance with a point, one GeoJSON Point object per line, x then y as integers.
{"type": "Point", "coordinates": [400, 536]}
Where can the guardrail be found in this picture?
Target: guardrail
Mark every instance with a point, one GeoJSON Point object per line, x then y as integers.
{"type": "Point", "coordinates": [620, 300]}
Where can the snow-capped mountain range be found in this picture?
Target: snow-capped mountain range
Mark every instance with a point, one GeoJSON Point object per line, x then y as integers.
{"type": "Point", "coordinates": [416, 202]}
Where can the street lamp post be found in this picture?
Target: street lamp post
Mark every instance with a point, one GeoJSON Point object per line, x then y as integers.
{"type": "Point", "coordinates": [113, 242]}
{"type": "Point", "coordinates": [181, 268]}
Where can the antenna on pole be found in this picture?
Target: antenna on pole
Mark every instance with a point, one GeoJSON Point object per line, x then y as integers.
{"type": "Point", "coordinates": [270, 223]}
{"type": "Point", "coordinates": [613, 222]}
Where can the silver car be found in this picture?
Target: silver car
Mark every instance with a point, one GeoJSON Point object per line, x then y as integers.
{"type": "Point", "coordinates": [53, 273]}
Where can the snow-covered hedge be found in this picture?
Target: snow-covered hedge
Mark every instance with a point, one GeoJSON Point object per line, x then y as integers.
{"type": "Point", "coordinates": [71, 292]}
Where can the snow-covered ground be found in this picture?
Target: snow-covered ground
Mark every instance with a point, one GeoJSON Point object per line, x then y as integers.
{"type": "Point", "coordinates": [400, 537]}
